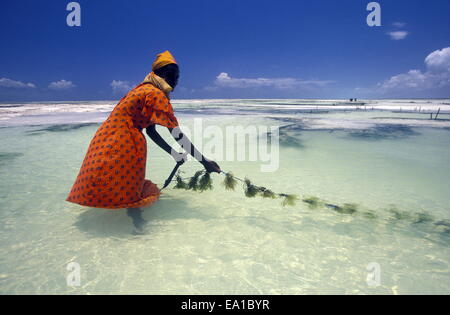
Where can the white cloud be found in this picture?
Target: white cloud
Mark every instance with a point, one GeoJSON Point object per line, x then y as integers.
{"type": "Point", "coordinates": [61, 85]}
{"type": "Point", "coordinates": [411, 79]}
{"type": "Point", "coordinates": [437, 74]}
{"type": "Point", "coordinates": [121, 86]}
{"type": "Point", "coordinates": [398, 35]}
{"type": "Point", "coordinates": [8, 83]}
{"type": "Point", "coordinates": [399, 24]}
{"type": "Point", "coordinates": [224, 80]}
{"type": "Point", "coordinates": [439, 60]}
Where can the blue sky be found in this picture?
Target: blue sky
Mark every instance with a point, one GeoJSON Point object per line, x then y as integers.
{"type": "Point", "coordinates": [226, 48]}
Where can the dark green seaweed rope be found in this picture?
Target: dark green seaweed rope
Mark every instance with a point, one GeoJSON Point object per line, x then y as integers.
{"type": "Point", "coordinates": [202, 181]}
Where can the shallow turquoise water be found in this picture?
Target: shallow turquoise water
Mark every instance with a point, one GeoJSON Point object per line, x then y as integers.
{"type": "Point", "coordinates": [220, 242]}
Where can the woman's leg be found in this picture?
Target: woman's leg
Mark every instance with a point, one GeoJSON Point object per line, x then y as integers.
{"type": "Point", "coordinates": [136, 215]}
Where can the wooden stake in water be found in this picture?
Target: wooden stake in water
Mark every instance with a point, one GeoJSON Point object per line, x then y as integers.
{"type": "Point", "coordinates": [439, 110]}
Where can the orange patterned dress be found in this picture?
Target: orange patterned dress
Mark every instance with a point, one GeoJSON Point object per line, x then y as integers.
{"type": "Point", "coordinates": [112, 175]}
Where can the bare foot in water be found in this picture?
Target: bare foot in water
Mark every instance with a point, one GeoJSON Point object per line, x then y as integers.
{"type": "Point", "coordinates": [139, 223]}
{"type": "Point", "coordinates": [138, 231]}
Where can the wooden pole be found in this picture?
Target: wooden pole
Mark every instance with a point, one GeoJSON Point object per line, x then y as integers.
{"type": "Point", "coordinates": [439, 110]}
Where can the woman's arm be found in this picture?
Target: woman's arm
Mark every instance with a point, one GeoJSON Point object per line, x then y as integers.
{"type": "Point", "coordinates": [155, 136]}
{"type": "Point", "coordinates": [187, 145]}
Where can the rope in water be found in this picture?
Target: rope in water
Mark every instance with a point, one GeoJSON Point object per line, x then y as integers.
{"type": "Point", "coordinates": [202, 181]}
{"type": "Point", "coordinates": [224, 173]}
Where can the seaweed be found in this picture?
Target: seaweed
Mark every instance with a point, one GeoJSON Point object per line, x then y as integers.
{"type": "Point", "coordinates": [289, 200]}
{"type": "Point", "coordinates": [399, 215]}
{"type": "Point", "coordinates": [193, 182]}
{"type": "Point", "coordinates": [61, 128]}
{"type": "Point", "coordinates": [422, 217]}
{"type": "Point", "coordinates": [443, 227]}
{"type": "Point", "coordinates": [267, 193]}
{"type": "Point", "coordinates": [250, 189]}
{"type": "Point", "coordinates": [313, 202]}
{"type": "Point", "coordinates": [6, 157]}
{"type": "Point", "coordinates": [9, 155]}
{"type": "Point", "coordinates": [289, 135]}
{"type": "Point", "coordinates": [384, 132]}
{"type": "Point", "coordinates": [348, 208]}
{"type": "Point", "coordinates": [202, 181]}
{"type": "Point", "coordinates": [181, 184]}
{"type": "Point", "coordinates": [230, 182]}
{"type": "Point", "coordinates": [444, 223]}
{"type": "Point", "coordinates": [291, 142]}
{"type": "Point", "coordinates": [332, 207]}
{"type": "Point", "coordinates": [370, 215]}
{"type": "Point", "coordinates": [205, 182]}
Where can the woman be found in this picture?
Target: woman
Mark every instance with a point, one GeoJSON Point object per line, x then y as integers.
{"type": "Point", "coordinates": [112, 175]}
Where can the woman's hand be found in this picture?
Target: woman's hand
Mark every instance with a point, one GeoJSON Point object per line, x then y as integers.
{"type": "Point", "coordinates": [187, 145]}
{"type": "Point", "coordinates": [211, 166]}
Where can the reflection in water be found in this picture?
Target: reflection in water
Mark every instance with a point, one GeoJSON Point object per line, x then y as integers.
{"type": "Point", "coordinates": [61, 128]}
{"type": "Point", "coordinates": [384, 131]}
{"type": "Point", "coordinates": [6, 157]}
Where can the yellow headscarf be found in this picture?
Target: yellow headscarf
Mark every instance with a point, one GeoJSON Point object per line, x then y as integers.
{"type": "Point", "coordinates": [163, 59]}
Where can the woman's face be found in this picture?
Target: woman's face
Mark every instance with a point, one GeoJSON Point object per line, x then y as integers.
{"type": "Point", "coordinates": [170, 73]}
{"type": "Point", "coordinates": [172, 78]}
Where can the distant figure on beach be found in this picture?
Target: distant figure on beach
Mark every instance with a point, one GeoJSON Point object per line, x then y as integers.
{"type": "Point", "coordinates": [112, 175]}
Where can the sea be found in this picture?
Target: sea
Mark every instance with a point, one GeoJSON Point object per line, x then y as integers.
{"type": "Point", "coordinates": [372, 215]}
